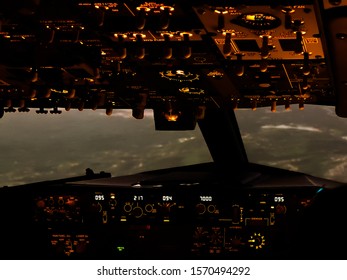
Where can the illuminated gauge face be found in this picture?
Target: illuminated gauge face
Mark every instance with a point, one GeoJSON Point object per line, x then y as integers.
{"type": "Point", "coordinates": [151, 6]}
{"type": "Point", "coordinates": [258, 21]}
{"type": "Point", "coordinates": [107, 6]}
{"type": "Point", "coordinates": [192, 91]}
{"type": "Point", "coordinates": [256, 241]}
{"type": "Point", "coordinates": [179, 76]}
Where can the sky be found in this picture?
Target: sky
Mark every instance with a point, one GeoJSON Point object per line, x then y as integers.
{"type": "Point", "coordinates": [45, 147]}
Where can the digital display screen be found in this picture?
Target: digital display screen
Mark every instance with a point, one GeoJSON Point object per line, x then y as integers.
{"type": "Point", "coordinates": [205, 198]}
{"type": "Point", "coordinates": [167, 198]}
{"type": "Point", "coordinates": [99, 197]}
{"type": "Point", "coordinates": [278, 199]}
{"type": "Point", "coordinates": [288, 44]}
{"type": "Point", "coordinates": [247, 45]}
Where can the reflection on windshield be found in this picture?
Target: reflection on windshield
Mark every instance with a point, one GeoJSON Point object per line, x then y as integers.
{"type": "Point", "coordinates": [46, 147]}
{"type": "Point", "coordinates": [312, 141]}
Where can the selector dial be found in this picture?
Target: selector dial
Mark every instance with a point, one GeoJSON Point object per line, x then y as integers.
{"type": "Point", "coordinates": [256, 241]}
{"type": "Point", "coordinates": [137, 212]}
{"type": "Point", "coordinates": [200, 208]}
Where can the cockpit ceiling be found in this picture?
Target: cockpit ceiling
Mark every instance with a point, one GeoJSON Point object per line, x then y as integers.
{"type": "Point", "coordinates": [176, 58]}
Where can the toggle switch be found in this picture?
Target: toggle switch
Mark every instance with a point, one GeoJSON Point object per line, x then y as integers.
{"type": "Point", "coordinates": [265, 49]}
{"type": "Point", "coordinates": [165, 16]}
{"type": "Point", "coordinates": [141, 17]}
{"type": "Point", "coordinates": [121, 51]}
{"type": "Point", "coordinates": [78, 34]}
{"type": "Point", "coordinates": [288, 11]}
{"type": "Point", "coordinates": [227, 43]}
{"type": "Point", "coordinates": [297, 24]}
{"type": "Point", "coordinates": [68, 105]}
{"type": "Point", "coordinates": [35, 75]}
{"type": "Point", "coordinates": [71, 94]}
{"type": "Point", "coordinates": [140, 50]}
{"type": "Point", "coordinates": [239, 67]}
{"type": "Point", "coordinates": [167, 50]}
{"type": "Point", "coordinates": [47, 93]}
{"type": "Point", "coordinates": [304, 84]}
{"type": "Point", "coordinates": [298, 42]}
{"type": "Point", "coordinates": [263, 65]}
{"type": "Point", "coordinates": [221, 18]}
{"type": "Point", "coordinates": [306, 66]}
{"type": "Point", "coordinates": [109, 109]}
{"type": "Point", "coordinates": [186, 48]}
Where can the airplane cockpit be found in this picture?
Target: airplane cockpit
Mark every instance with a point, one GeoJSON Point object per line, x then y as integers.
{"type": "Point", "coordinates": [203, 129]}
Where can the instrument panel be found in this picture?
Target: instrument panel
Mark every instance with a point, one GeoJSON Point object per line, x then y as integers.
{"type": "Point", "coordinates": [186, 222]}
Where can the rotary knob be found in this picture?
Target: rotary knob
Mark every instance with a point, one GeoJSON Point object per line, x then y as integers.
{"type": "Point", "coordinates": [200, 208]}
{"type": "Point", "coordinates": [137, 212]}
{"type": "Point", "coordinates": [256, 241]}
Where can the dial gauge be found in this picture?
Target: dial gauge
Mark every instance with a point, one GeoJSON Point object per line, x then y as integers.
{"type": "Point", "coordinates": [179, 76]}
{"type": "Point", "coordinates": [258, 21]}
{"type": "Point", "coordinates": [256, 241]}
{"type": "Point", "coordinates": [192, 91]}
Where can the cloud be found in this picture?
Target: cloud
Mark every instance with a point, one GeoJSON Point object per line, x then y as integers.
{"type": "Point", "coordinates": [339, 168]}
{"type": "Point", "coordinates": [289, 164]}
{"type": "Point", "coordinates": [294, 127]}
{"type": "Point", "coordinates": [185, 139]}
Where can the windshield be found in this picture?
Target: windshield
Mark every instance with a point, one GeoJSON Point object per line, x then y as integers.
{"type": "Point", "coordinates": [312, 141]}
{"type": "Point", "coordinates": [45, 147]}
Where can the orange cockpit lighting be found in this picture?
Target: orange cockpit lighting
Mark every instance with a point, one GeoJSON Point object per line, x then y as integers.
{"type": "Point", "coordinates": [171, 116]}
